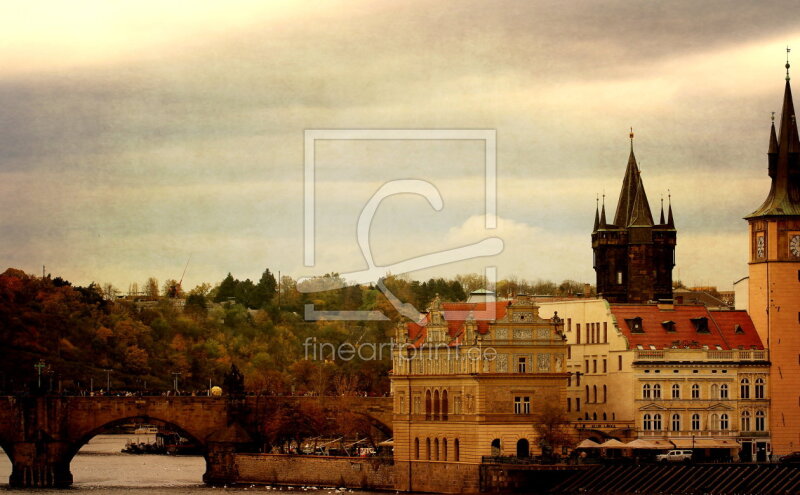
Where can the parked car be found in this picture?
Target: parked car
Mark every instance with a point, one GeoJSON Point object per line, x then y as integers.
{"type": "Point", "coordinates": [675, 456]}
{"type": "Point", "coordinates": [793, 458]}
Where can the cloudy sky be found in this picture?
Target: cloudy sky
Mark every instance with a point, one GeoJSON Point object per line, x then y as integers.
{"type": "Point", "coordinates": [134, 135]}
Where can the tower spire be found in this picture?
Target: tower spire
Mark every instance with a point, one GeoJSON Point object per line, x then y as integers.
{"type": "Point", "coordinates": [670, 222]}
{"type": "Point", "coordinates": [603, 223]}
{"type": "Point", "coordinates": [661, 219]}
{"type": "Point", "coordinates": [597, 213]}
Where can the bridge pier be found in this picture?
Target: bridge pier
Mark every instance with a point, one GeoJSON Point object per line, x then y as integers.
{"type": "Point", "coordinates": [40, 464]}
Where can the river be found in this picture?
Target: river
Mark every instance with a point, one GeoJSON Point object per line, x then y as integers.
{"type": "Point", "coordinates": [101, 468]}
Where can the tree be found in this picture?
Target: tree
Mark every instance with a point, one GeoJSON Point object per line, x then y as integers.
{"type": "Point", "coordinates": [173, 289]}
{"type": "Point", "coordinates": [226, 289]}
{"type": "Point", "coordinates": [151, 288]}
{"type": "Point", "coordinates": [264, 290]}
{"type": "Point", "coordinates": [551, 426]}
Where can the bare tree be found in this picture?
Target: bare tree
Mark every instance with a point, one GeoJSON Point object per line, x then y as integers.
{"type": "Point", "coordinates": [151, 288]}
{"type": "Point", "coordinates": [552, 426]}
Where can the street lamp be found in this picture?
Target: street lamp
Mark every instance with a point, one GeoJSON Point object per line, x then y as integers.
{"type": "Point", "coordinates": [176, 374]}
{"type": "Point", "coordinates": [108, 381]}
{"type": "Point", "coordinates": [39, 366]}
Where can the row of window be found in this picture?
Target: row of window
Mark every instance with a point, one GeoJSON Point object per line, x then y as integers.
{"type": "Point", "coordinates": [717, 391]}
{"type": "Point", "coordinates": [593, 335]}
{"type": "Point", "coordinates": [594, 397]}
{"type": "Point", "coordinates": [436, 405]}
{"type": "Point", "coordinates": [716, 422]}
{"type": "Point", "coordinates": [438, 451]}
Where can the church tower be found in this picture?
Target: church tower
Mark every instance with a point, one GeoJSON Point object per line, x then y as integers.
{"type": "Point", "coordinates": [634, 256]}
{"type": "Point", "coordinates": [774, 293]}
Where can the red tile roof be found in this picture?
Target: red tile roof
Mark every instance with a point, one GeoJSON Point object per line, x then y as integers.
{"type": "Point", "coordinates": [455, 314]}
{"type": "Point", "coordinates": [722, 327]}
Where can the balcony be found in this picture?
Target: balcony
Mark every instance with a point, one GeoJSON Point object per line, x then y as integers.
{"type": "Point", "coordinates": [699, 355]}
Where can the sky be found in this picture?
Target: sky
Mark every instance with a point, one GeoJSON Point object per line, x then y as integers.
{"type": "Point", "coordinates": [137, 136]}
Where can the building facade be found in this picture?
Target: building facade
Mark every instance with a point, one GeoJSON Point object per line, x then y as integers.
{"type": "Point", "coordinates": [633, 256]}
{"type": "Point", "coordinates": [468, 385]}
{"type": "Point", "coordinates": [683, 375]}
{"type": "Point", "coordinates": [774, 276]}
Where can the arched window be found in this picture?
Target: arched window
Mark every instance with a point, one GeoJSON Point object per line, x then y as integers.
{"type": "Point", "coordinates": [676, 391]}
{"type": "Point", "coordinates": [723, 391]}
{"type": "Point", "coordinates": [428, 448]}
{"type": "Point", "coordinates": [605, 417]}
{"type": "Point", "coordinates": [605, 393]}
{"type": "Point", "coordinates": [436, 405]}
{"type": "Point", "coordinates": [445, 405]}
{"type": "Point", "coordinates": [594, 416]}
{"type": "Point", "coordinates": [594, 392]}
{"type": "Point", "coordinates": [523, 448]}
{"type": "Point", "coordinates": [723, 422]}
{"type": "Point", "coordinates": [715, 391]}
{"type": "Point", "coordinates": [435, 449]}
{"type": "Point", "coordinates": [656, 422]}
{"type": "Point", "coordinates": [647, 423]}
{"type": "Point", "coordinates": [676, 422]}
{"type": "Point", "coordinates": [428, 404]}
{"type": "Point", "coordinates": [759, 388]}
{"type": "Point", "coordinates": [444, 449]}
{"type": "Point", "coordinates": [695, 391]}
{"type": "Point", "coordinates": [745, 420]}
{"type": "Point", "coordinates": [714, 422]}
{"type": "Point", "coordinates": [761, 421]}
{"type": "Point", "coordinates": [587, 394]}
{"type": "Point", "coordinates": [656, 391]}
{"type": "Point", "coordinates": [613, 416]}
{"type": "Point", "coordinates": [496, 447]}
{"type": "Point", "coordinates": [744, 389]}
{"type": "Point", "coordinates": [646, 391]}
{"type": "Point", "coordinates": [695, 422]}
{"type": "Point", "coordinates": [416, 448]}
{"type": "Point", "coordinates": [456, 450]}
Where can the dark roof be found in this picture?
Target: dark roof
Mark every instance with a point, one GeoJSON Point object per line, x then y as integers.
{"type": "Point", "coordinates": [784, 165]}
{"type": "Point", "coordinates": [685, 325]}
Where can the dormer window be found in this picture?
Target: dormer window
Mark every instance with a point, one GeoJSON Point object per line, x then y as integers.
{"type": "Point", "coordinates": [700, 324]}
{"type": "Point", "coordinates": [738, 330]}
{"type": "Point", "coordinates": [635, 324]}
{"type": "Point", "coordinates": [668, 325]}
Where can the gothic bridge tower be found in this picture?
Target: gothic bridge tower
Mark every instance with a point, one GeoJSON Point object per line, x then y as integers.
{"type": "Point", "coordinates": [634, 256]}
{"type": "Point", "coordinates": [774, 285]}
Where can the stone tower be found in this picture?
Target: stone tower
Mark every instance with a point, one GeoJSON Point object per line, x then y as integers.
{"type": "Point", "coordinates": [634, 256]}
{"type": "Point", "coordinates": [774, 291]}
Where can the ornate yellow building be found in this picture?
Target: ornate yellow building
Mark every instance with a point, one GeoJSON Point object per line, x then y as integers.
{"type": "Point", "coordinates": [467, 384]}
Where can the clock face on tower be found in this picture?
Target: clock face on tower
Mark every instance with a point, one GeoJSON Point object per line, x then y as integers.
{"type": "Point", "coordinates": [760, 247]}
{"type": "Point", "coordinates": [794, 245]}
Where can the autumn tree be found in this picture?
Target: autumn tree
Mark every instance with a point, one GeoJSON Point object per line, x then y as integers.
{"type": "Point", "coordinates": [151, 288]}
{"type": "Point", "coordinates": [552, 426]}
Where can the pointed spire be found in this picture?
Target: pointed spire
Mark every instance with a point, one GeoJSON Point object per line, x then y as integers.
{"type": "Point", "coordinates": [784, 161]}
{"type": "Point", "coordinates": [640, 211]}
{"type": "Point", "coordinates": [628, 193]}
{"type": "Point", "coordinates": [661, 219]}
{"type": "Point", "coordinates": [670, 221]}
{"type": "Point", "coordinates": [772, 153]}
{"type": "Point", "coordinates": [603, 223]}
{"type": "Point", "coordinates": [597, 213]}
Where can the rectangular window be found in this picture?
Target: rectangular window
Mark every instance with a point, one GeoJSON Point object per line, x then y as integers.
{"type": "Point", "coordinates": [594, 365]}
{"type": "Point", "coordinates": [605, 332]}
{"type": "Point", "coordinates": [577, 333]}
{"type": "Point", "coordinates": [587, 366]}
{"type": "Point", "coordinates": [619, 362]}
{"type": "Point", "coordinates": [619, 278]}
{"type": "Point", "coordinates": [569, 352]}
{"type": "Point", "coordinates": [605, 365]}
{"type": "Point", "coordinates": [578, 404]}
{"type": "Point", "coordinates": [569, 324]}
{"type": "Point", "coordinates": [569, 404]}
{"type": "Point", "coordinates": [522, 405]}
{"type": "Point", "coordinates": [578, 379]}
{"type": "Point", "coordinates": [522, 364]}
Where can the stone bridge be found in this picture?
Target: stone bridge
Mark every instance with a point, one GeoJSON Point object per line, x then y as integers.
{"type": "Point", "coordinates": [42, 434]}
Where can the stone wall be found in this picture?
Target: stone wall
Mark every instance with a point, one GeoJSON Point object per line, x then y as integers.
{"type": "Point", "coordinates": [308, 470]}
{"type": "Point", "coordinates": [437, 477]}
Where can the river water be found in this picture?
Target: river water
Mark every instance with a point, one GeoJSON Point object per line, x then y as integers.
{"type": "Point", "coordinates": [101, 468]}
